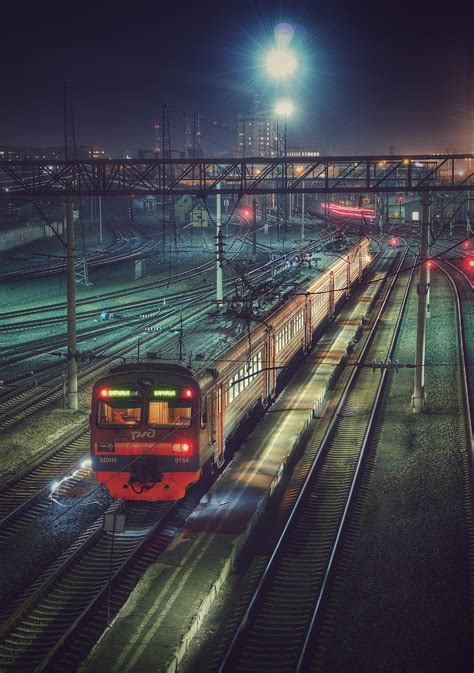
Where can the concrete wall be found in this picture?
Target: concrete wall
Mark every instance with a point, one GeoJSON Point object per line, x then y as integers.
{"type": "Point", "coordinates": [13, 238]}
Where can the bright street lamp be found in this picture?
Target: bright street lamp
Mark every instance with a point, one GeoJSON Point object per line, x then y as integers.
{"type": "Point", "coordinates": [284, 108]}
{"type": "Point", "coordinates": [280, 62]}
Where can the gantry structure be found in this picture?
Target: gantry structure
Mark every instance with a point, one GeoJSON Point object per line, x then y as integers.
{"type": "Point", "coordinates": [203, 177]}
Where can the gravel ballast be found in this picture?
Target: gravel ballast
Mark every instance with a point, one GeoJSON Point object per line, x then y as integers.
{"type": "Point", "coordinates": [406, 599]}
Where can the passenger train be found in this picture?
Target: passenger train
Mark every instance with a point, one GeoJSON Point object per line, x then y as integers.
{"type": "Point", "coordinates": [155, 426]}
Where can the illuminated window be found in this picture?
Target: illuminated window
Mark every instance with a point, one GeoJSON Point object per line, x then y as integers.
{"type": "Point", "coordinates": [119, 406]}
{"type": "Point", "coordinates": [166, 410]}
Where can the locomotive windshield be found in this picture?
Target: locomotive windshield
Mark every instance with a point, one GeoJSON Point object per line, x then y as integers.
{"type": "Point", "coordinates": [119, 406]}
{"type": "Point", "coordinates": [170, 407]}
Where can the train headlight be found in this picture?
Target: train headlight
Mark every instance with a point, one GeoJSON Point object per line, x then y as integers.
{"type": "Point", "coordinates": [181, 448]}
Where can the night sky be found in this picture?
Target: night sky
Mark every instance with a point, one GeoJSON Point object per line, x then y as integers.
{"type": "Point", "coordinates": [371, 75]}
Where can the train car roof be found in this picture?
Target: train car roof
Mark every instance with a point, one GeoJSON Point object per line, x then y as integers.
{"type": "Point", "coordinates": [204, 340]}
{"type": "Point", "coordinates": [151, 365]}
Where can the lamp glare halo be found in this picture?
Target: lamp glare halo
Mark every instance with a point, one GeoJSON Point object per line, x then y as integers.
{"type": "Point", "coordinates": [284, 108]}
{"type": "Point", "coordinates": [280, 62]}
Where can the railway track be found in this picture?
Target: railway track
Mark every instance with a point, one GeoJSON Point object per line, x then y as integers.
{"type": "Point", "coordinates": [293, 588]}
{"type": "Point", "coordinates": [24, 497]}
{"type": "Point", "coordinates": [23, 404]}
{"type": "Point", "coordinates": [462, 288]}
{"type": "Point", "coordinates": [31, 395]}
{"type": "Point", "coordinates": [19, 315]}
{"type": "Point", "coordinates": [65, 610]}
{"type": "Point", "coordinates": [69, 607]}
{"type": "Point", "coordinates": [123, 248]}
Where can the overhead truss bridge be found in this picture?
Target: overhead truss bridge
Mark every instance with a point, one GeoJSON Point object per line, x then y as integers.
{"type": "Point", "coordinates": [203, 177]}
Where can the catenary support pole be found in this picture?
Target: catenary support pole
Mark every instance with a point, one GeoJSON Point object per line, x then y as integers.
{"type": "Point", "coordinates": [302, 213]}
{"type": "Point", "coordinates": [254, 229]}
{"type": "Point", "coordinates": [418, 398]}
{"type": "Point", "coordinates": [264, 215]}
{"type": "Point", "coordinates": [71, 309]}
{"type": "Point", "coordinates": [468, 215]}
{"type": "Point", "coordinates": [219, 250]}
{"type": "Point", "coordinates": [101, 234]}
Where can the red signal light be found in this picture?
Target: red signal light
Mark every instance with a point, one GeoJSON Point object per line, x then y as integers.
{"type": "Point", "coordinates": [471, 264]}
{"type": "Point", "coordinates": [430, 264]}
{"type": "Point", "coordinates": [188, 393]}
{"type": "Point", "coordinates": [247, 213]}
{"type": "Point", "coordinates": [466, 244]}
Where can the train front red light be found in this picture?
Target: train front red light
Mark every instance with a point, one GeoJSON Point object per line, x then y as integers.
{"type": "Point", "coordinates": [188, 393]}
{"type": "Point", "coordinates": [103, 392]}
{"type": "Point", "coordinates": [183, 447]}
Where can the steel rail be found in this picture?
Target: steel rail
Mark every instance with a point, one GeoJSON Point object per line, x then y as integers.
{"type": "Point", "coordinates": [229, 661]}
{"type": "Point", "coordinates": [207, 266]}
{"type": "Point", "coordinates": [325, 586]}
{"type": "Point", "coordinates": [466, 352]}
{"type": "Point", "coordinates": [466, 348]}
{"type": "Point", "coordinates": [23, 626]}
{"type": "Point", "coordinates": [61, 600]}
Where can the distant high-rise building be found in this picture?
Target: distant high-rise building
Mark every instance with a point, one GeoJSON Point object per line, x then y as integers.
{"type": "Point", "coordinates": [256, 134]}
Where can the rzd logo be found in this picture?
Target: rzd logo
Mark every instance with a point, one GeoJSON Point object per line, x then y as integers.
{"type": "Point", "coordinates": [136, 434]}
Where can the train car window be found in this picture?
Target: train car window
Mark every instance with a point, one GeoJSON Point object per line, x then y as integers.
{"type": "Point", "coordinates": [169, 408]}
{"type": "Point", "coordinates": [203, 412]}
{"type": "Point", "coordinates": [119, 406]}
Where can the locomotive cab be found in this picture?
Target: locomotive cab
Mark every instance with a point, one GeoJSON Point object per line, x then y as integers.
{"type": "Point", "coordinates": [145, 431]}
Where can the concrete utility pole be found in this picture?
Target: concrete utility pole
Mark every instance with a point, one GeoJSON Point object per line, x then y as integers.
{"type": "Point", "coordinates": [302, 213]}
{"type": "Point", "coordinates": [71, 310]}
{"type": "Point", "coordinates": [468, 214]}
{"type": "Point", "coordinates": [219, 250]}
{"type": "Point", "coordinates": [101, 235]}
{"type": "Point", "coordinates": [254, 229]}
{"type": "Point", "coordinates": [418, 398]}
{"type": "Point", "coordinates": [264, 214]}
